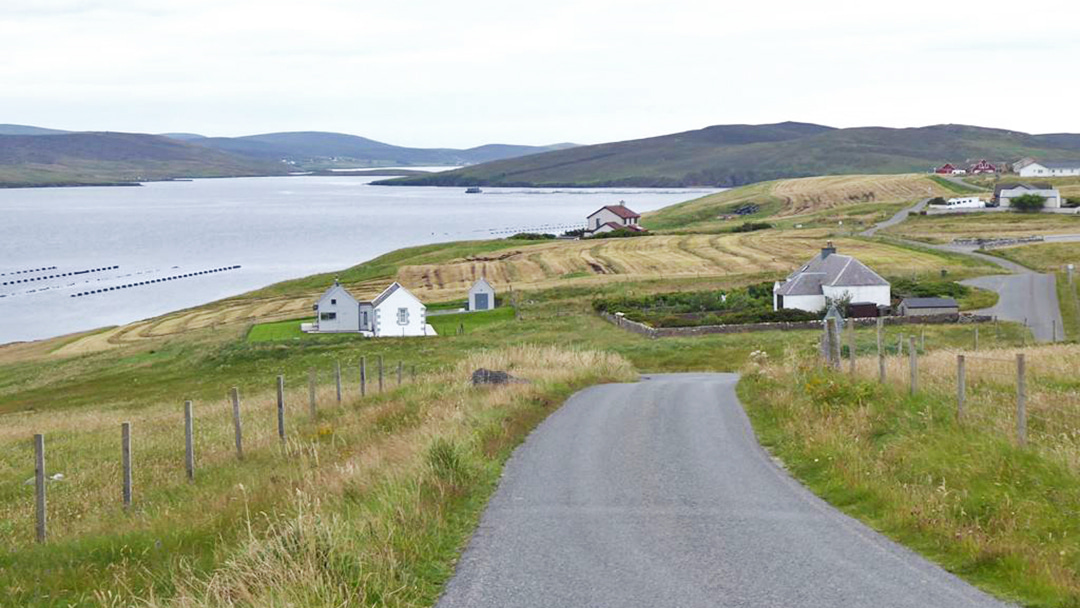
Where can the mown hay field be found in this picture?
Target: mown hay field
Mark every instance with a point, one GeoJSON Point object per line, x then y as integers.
{"type": "Point", "coordinates": [1045, 257]}
{"type": "Point", "coordinates": [551, 264]}
{"type": "Point", "coordinates": [1001, 224]}
{"type": "Point", "coordinates": [791, 198]}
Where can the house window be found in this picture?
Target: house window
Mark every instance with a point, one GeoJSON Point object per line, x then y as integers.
{"type": "Point", "coordinates": [403, 316]}
{"type": "Point", "coordinates": [327, 316]}
{"type": "Point", "coordinates": [333, 301]}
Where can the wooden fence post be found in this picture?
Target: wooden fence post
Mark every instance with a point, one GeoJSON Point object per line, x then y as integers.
{"type": "Point", "coordinates": [851, 346]}
{"type": "Point", "coordinates": [412, 374]}
{"type": "Point", "coordinates": [913, 356]}
{"type": "Point", "coordinates": [922, 339]}
{"type": "Point", "coordinates": [281, 408]}
{"type": "Point", "coordinates": [337, 379]}
{"type": "Point", "coordinates": [189, 441]}
{"type": "Point", "coordinates": [380, 374]}
{"type": "Point", "coordinates": [900, 346]}
{"type": "Point", "coordinates": [1021, 399]}
{"type": "Point", "coordinates": [313, 405]}
{"type": "Point", "coordinates": [976, 337]}
{"type": "Point", "coordinates": [39, 486]}
{"type": "Point", "coordinates": [961, 386]}
{"type": "Point", "coordinates": [238, 428]}
{"type": "Point", "coordinates": [400, 368]}
{"type": "Point", "coordinates": [125, 461]}
{"type": "Point", "coordinates": [363, 376]}
{"type": "Point", "coordinates": [880, 350]}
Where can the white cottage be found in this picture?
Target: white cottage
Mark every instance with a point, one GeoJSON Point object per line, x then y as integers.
{"type": "Point", "coordinates": [481, 296]}
{"type": "Point", "coordinates": [1049, 169]}
{"type": "Point", "coordinates": [831, 276]}
{"type": "Point", "coordinates": [612, 217]}
{"type": "Point", "coordinates": [396, 312]}
{"type": "Point", "coordinates": [1004, 193]}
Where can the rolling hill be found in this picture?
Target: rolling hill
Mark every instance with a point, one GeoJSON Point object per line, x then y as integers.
{"type": "Point", "coordinates": [314, 149]}
{"type": "Point", "coordinates": [69, 159]}
{"type": "Point", "coordinates": [732, 155]}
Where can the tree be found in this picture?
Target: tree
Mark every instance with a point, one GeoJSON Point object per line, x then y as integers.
{"type": "Point", "coordinates": [1028, 203]}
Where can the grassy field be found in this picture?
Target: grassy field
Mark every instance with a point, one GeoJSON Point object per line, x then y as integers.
{"type": "Point", "coordinates": [448, 325]}
{"type": "Point", "coordinates": [442, 273]}
{"type": "Point", "coordinates": [958, 188]}
{"type": "Point", "coordinates": [1044, 257]}
{"type": "Point", "coordinates": [963, 493]}
{"type": "Point", "coordinates": [1069, 186]}
{"type": "Point", "coordinates": [822, 199]}
{"type": "Point", "coordinates": [945, 228]}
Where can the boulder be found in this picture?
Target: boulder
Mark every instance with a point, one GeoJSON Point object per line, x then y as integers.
{"type": "Point", "coordinates": [487, 376]}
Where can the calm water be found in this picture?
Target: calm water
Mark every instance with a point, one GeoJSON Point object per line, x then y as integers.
{"type": "Point", "coordinates": [274, 228]}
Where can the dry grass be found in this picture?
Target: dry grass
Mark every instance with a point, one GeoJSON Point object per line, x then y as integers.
{"type": "Point", "coordinates": [1045, 257]}
{"type": "Point", "coordinates": [946, 228]}
{"type": "Point", "coordinates": [284, 508]}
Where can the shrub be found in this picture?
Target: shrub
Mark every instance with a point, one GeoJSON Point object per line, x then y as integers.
{"type": "Point", "coordinates": [752, 226]}
{"type": "Point", "coordinates": [937, 200]}
{"type": "Point", "coordinates": [531, 236]}
{"type": "Point", "coordinates": [1028, 203]}
{"type": "Point", "coordinates": [929, 288]}
{"type": "Point", "coordinates": [621, 233]}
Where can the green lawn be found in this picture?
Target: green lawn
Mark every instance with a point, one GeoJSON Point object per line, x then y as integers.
{"type": "Point", "coordinates": [448, 325]}
{"type": "Point", "coordinates": [278, 331]}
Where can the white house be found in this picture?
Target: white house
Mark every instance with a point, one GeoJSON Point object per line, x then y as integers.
{"type": "Point", "coordinates": [337, 311]}
{"type": "Point", "coordinates": [1004, 193]}
{"type": "Point", "coordinates": [1049, 169]}
{"type": "Point", "coordinates": [612, 217]}
{"type": "Point", "coordinates": [396, 312]}
{"type": "Point", "coordinates": [481, 295]}
{"type": "Point", "coordinates": [831, 276]}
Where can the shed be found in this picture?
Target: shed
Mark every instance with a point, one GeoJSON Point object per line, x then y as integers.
{"type": "Point", "coordinates": [915, 307]}
{"type": "Point", "coordinates": [481, 296]}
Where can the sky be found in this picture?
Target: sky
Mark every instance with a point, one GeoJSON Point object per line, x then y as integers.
{"type": "Point", "coordinates": [458, 74]}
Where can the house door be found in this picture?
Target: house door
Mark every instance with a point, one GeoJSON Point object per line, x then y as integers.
{"type": "Point", "coordinates": [481, 301]}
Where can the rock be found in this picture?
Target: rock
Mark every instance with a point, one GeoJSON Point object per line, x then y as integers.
{"type": "Point", "coordinates": [487, 376]}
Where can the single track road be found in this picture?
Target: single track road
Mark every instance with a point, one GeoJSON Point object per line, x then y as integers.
{"type": "Point", "coordinates": [657, 494]}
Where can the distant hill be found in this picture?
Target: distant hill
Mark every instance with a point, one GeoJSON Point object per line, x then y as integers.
{"type": "Point", "coordinates": [28, 130]}
{"type": "Point", "coordinates": [183, 136]}
{"type": "Point", "coordinates": [316, 149]}
{"type": "Point", "coordinates": [732, 155]}
{"type": "Point", "coordinates": [104, 158]}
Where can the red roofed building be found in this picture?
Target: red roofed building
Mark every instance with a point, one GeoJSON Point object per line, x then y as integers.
{"type": "Point", "coordinates": [982, 167]}
{"type": "Point", "coordinates": [949, 169]}
{"type": "Point", "coordinates": [612, 217]}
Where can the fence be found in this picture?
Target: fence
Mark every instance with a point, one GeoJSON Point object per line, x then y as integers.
{"type": "Point", "coordinates": [258, 426]}
{"type": "Point", "coordinates": [1030, 394]}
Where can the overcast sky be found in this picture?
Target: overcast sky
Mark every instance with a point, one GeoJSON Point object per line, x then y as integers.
{"type": "Point", "coordinates": [440, 73]}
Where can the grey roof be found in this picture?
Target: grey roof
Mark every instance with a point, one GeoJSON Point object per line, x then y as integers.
{"type": "Point", "coordinates": [929, 303]}
{"type": "Point", "coordinates": [1026, 186]}
{"type": "Point", "coordinates": [834, 270]}
{"type": "Point", "coordinates": [386, 293]}
{"type": "Point", "coordinates": [1060, 164]}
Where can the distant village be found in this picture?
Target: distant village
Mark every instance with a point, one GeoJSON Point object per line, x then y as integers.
{"type": "Point", "coordinates": [1005, 193]}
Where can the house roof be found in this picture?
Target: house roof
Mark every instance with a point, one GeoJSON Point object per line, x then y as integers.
{"type": "Point", "coordinates": [1066, 164]}
{"type": "Point", "coordinates": [833, 270]}
{"type": "Point", "coordinates": [620, 210]}
{"type": "Point", "coordinates": [386, 293]}
{"type": "Point", "coordinates": [482, 281]}
{"type": "Point", "coordinates": [929, 303]}
{"type": "Point", "coordinates": [1027, 186]}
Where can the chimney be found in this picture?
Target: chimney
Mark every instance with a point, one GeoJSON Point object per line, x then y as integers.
{"type": "Point", "coordinates": [622, 203]}
{"type": "Point", "coordinates": [827, 250]}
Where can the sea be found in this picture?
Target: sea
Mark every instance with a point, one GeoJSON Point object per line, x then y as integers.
{"type": "Point", "coordinates": [77, 259]}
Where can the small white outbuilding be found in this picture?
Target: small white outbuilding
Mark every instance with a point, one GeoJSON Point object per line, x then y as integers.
{"type": "Point", "coordinates": [481, 296]}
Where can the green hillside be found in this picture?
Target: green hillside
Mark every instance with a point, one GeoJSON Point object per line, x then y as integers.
{"type": "Point", "coordinates": [108, 158]}
{"type": "Point", "coordinates": [734, 155]}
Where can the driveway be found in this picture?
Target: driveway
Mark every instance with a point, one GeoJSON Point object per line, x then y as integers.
{"type": "Point", "coordinates": [656, 494]}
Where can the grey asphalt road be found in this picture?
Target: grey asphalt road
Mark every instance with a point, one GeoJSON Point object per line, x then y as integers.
{"type": "Point", "coordinates": [656, 494]}
{"type": "Point", "coordinates": [1029, 298]}
{"type": "Point", "coordinates": [897, 218]}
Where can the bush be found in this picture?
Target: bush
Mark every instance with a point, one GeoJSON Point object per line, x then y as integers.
{"type": "Point", "coordinates": [621, 233]}
{"type": "Point", "coordinates": [752, 226]}
{"type": "Point", "coordinates": [1028, 203]}
{"type": "Point", "coordinates": [937, 200]}
{"type": "Point", "coordinates": [579, 232]}
{"type": "Point", "coordinates": [910, 288]}
{"type": "Point", "coordinates": [531, 236]}
{"type": "Point", "coordinates": [752, 304]}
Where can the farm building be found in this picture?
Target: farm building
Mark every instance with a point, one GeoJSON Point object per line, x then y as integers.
{"type": "Point", "coordinates": [481, 295]}
{"type": "Point", "coordinates": [982, 167]}
{"type": "Point", "coordinates": [612, 217]}
{"type": "Point", "coordinates": [830, 276]}
{"type": "Point", "coordinates": [949, 169]}
{"type": "Point", "coordinates": [1004, 193]}
{"type": "Point", "coordinates": [914, 307]}
{"type": "Point", "coordinates": [396, 312]}
{"type": "Point", "coordinates": [1050, 169]}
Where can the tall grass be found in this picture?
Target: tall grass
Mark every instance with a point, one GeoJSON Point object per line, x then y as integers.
{"type": "Point", "coordinates": [964, 493]}
{"type": "Point", "coordinates": [367, 504]}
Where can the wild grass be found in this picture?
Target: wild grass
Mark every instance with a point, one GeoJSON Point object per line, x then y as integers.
{"type": "Point", "coordinates": [1043, 257]}
{"type": "Point", "coordinates": [946, 228]}
{"type": "Point", "coordinates": [368, 503]}
{"type": "Point", "coordinates": [964, 493]}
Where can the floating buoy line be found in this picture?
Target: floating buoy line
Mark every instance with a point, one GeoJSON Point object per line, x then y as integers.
{"type": "Point", "coordinates": [59, 276]}
{"type": "Point", "coordinates": [32, 271]}
{"type": "Point", "coordinates": [155, 281]}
